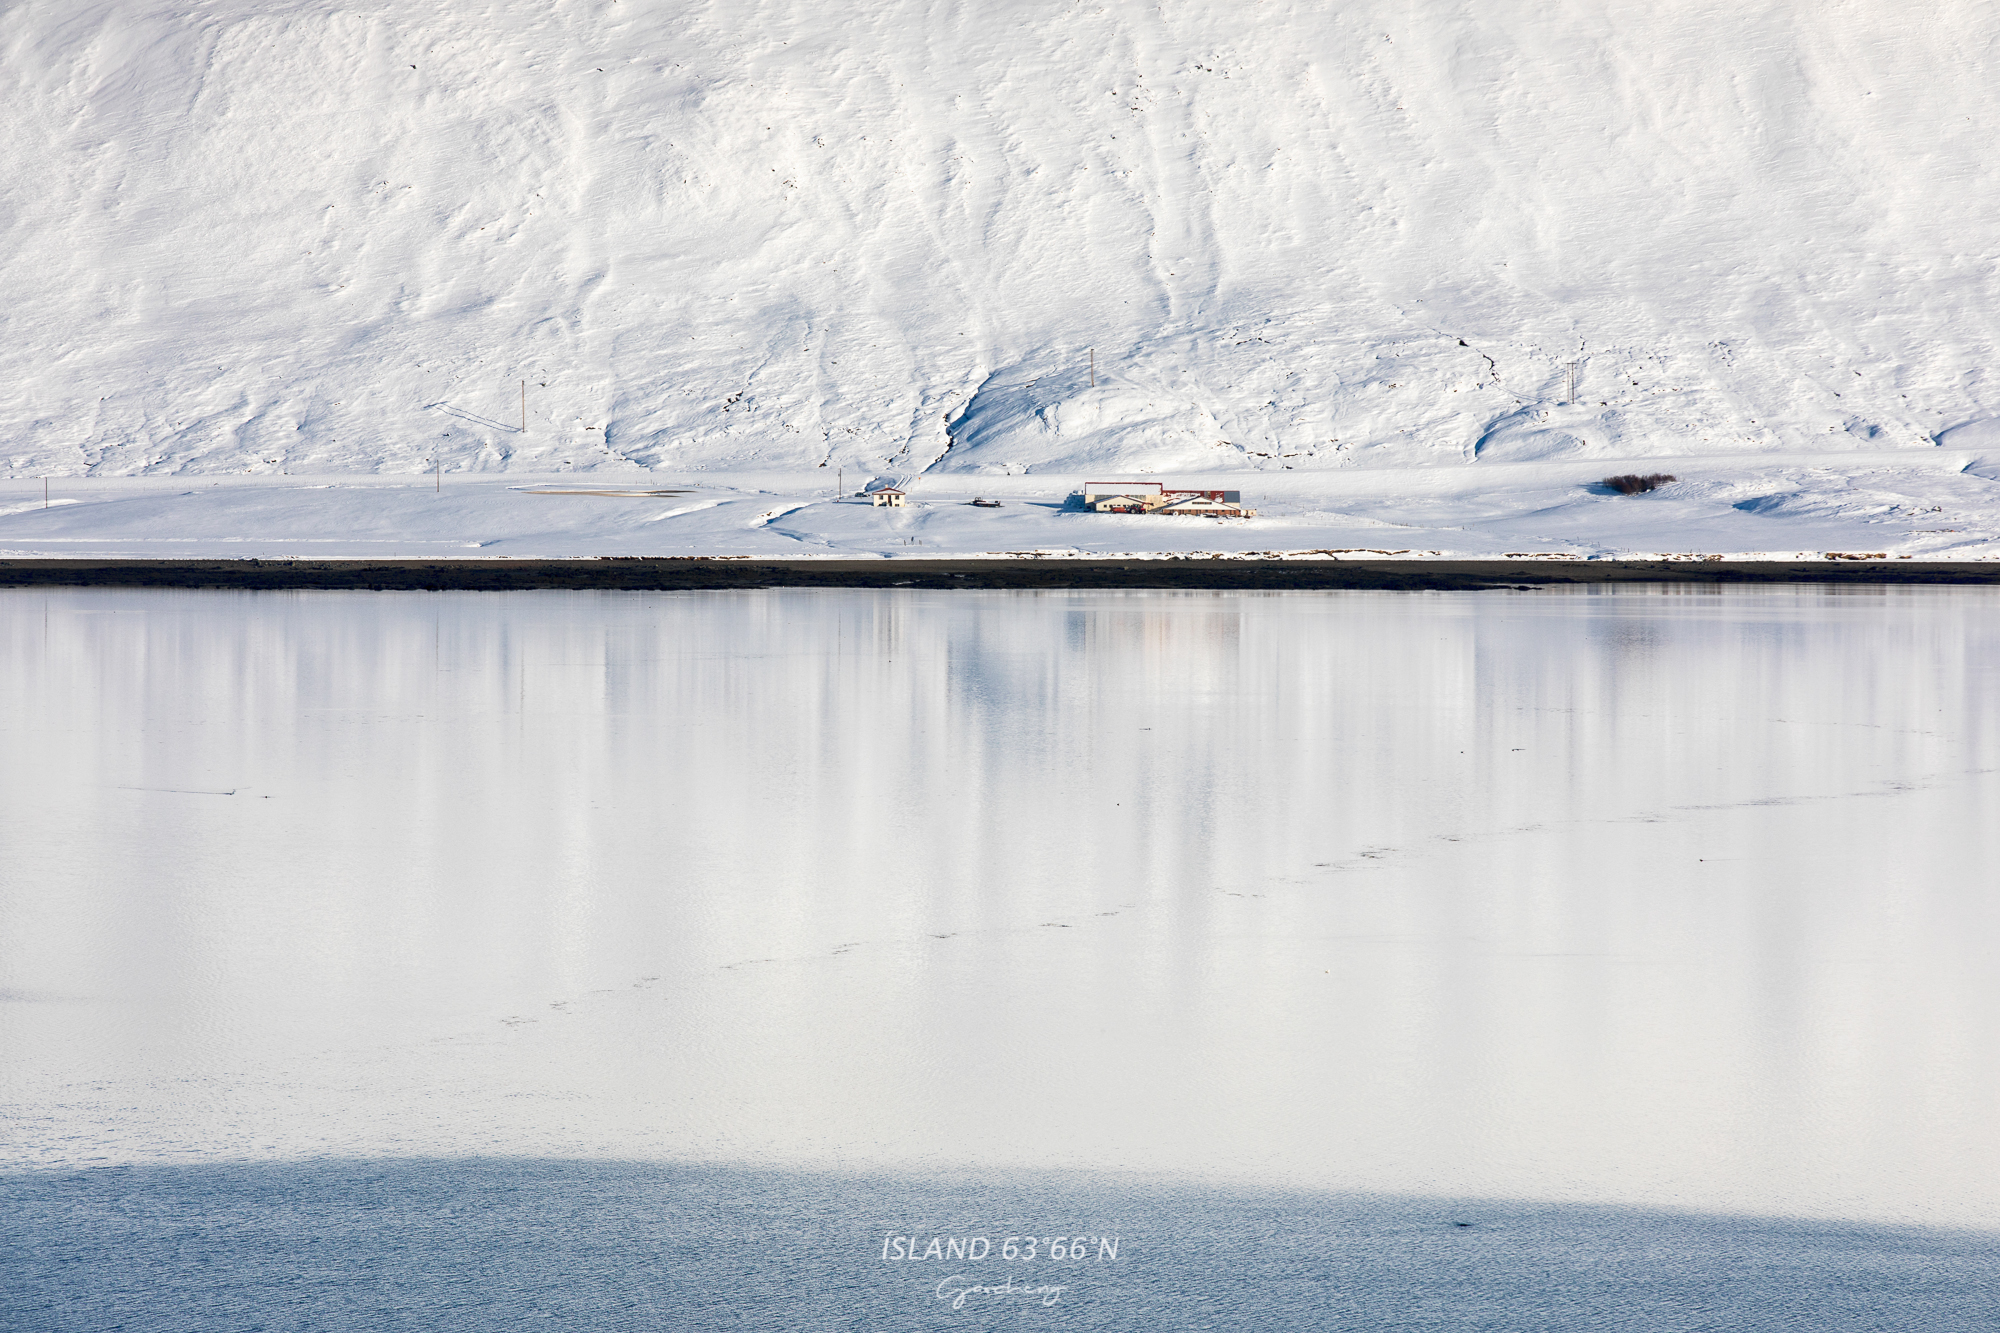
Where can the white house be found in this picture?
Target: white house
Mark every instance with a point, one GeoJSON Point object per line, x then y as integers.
{"type": "Point", "coordinates": [888, 495]}
{"type": "Point", "coordinates": [1121, 497]}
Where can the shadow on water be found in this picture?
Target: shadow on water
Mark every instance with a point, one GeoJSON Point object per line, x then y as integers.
{"type": "Point", "coordinates": [575, 1245]}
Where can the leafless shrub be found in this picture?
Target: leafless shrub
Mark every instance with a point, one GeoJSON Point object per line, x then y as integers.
{"type": "Point", "coordinates": [1634, 484]}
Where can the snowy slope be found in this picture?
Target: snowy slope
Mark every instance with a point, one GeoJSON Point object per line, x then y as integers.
{"type": "Point", "coordinates": [310, 236]}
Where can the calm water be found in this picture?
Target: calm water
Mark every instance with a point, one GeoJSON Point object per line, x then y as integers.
{"type": "Point", "coordinates": [1616, 914]}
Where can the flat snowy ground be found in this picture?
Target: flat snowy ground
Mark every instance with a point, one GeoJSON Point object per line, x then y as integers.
{"type": "Point", "coordinates": [1936, 504]}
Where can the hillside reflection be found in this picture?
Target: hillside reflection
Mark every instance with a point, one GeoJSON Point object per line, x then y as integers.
{"type": "Point", "coordinates": [1656, 898]}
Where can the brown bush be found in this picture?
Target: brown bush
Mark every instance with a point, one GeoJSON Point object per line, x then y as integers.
{"type": "Point", "coordinates": [1634, 484]}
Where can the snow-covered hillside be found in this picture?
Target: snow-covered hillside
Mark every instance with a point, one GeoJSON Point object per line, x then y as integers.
{"type": "Point", "coordinates": [892, 235]}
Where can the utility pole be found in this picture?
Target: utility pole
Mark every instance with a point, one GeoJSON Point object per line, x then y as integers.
{"type": "Point", "coordinates": [1093, 367]}
{"type": "Point", "coordinates": [524, 407]}
{"type": "Point", "coordinates": [45, 492]}
{"type": "Point", "coordinates": [841, 485]}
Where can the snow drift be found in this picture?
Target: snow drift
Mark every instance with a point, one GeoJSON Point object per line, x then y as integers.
{"type": "Point", "coordinates": [302, 235]}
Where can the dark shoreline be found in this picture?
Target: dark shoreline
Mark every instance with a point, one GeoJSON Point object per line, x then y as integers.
{"type": "Point", "coordinates": [701, 574]}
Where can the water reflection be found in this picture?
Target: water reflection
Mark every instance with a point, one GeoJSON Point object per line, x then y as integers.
{"type": "Point", "coordinates": [1661, 897]}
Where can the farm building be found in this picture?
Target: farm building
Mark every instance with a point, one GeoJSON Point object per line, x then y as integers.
{"type": "Point", "coordinates": [1152, 497]}
{"type": "Point", "coordinates": [1121, 497]}
{"type": "Point", "coordinates": [888, 495]}
{"type": "Point", "coordinates": [1205, 504]}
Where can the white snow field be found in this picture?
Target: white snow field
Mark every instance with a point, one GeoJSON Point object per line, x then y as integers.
{"type": "Point", "coordinates": [1937, 505]}
{"type": "Point", "coordinates": [902, 239]}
